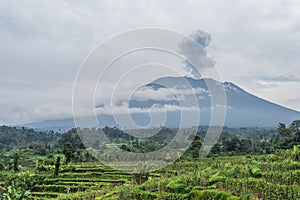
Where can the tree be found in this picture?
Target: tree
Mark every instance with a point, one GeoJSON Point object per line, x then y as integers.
{"type": "Point", "coordinates": [57, 165]}
{"type": "Point", "coordinates": [68, 151]}
{"type": "Point", "coordinates": [295, 127]}
{"type": "Point", "coordinates": [216, 150]}
{"type": "Point", "coordinates": [72, 137]}
{"type": "Point", "coordinates": [16, 161]}
{"type": "Point", "coordinates": [283, 130]}
{"type": "Point", "coordinates": [232, 144]}
{"type": "Point", "coordinates": [194, 148]}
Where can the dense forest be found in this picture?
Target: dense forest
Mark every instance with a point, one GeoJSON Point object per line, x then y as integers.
{"type": "Point", "coordinates": [245, 163]}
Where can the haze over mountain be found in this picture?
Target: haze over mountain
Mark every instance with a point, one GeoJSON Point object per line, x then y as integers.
{"type": "Point", "coordinates": [242, 108]}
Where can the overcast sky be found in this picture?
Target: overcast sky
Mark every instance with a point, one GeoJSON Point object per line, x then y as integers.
{"type": "Point", "coordinates": [254, 43]}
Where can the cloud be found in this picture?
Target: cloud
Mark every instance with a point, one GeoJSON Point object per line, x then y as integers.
{"type": "Point", "coordinates": [44, 43]}
{"type": "Point", "coordinates": [21, 114]}
{"type": "Point", "coordinates": [146, 93]}
{"type": "Point", "coordinates": [25, 105]}
{"type": "Point", "coordinates": [195, 52]}
{"type": "Point", "coordinates": [282, 78]}
{"type": "Point", "coordinates": [124, 109]}
{"type": "Point", "coordinates": [263, 85]}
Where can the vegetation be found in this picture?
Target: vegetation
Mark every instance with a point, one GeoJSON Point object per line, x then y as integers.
{"type": "Point", "coordinates": [246, 163]}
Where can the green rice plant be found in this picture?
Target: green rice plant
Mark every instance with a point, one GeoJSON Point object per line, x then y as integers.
{"type": "Point", "coordinates": [44, 194]}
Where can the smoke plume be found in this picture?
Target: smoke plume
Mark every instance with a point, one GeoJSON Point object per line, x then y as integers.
{"type": "Point", "coordinates": [194, 49]}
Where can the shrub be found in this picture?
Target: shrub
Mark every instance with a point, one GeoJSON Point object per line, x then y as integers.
{"type": "Point", "coordinates": [218, 177]}
{"type": "Point", "coordinates": [256, 172]}
{"type": "Point", "coordinates": [211, 194]}
{"type": "Point", "coordinates": [177, 186]}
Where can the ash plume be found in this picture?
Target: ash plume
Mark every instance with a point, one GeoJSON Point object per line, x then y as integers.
{"type": "Point", "coordinates": [194, 49]}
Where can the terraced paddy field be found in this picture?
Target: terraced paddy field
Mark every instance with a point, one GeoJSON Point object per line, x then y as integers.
{"type": "Point", "coordinates": [80, 181]}
{"type": "Point", "coordinates": [235, 177]}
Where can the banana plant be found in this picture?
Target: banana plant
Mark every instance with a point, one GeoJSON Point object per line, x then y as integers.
{"type": "Point", "coordinates": [296, 153]}
{"type": "Point", "coordinates": [11, 193]}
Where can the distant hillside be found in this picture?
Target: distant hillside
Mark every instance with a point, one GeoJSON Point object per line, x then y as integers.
{"type": "Point", "coordinates": [14, 138]}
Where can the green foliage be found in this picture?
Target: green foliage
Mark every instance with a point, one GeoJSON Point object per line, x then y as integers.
{"type": "Point", "coordinates": [60, 188]}
{"type": "Point", "coordinates": [292, 131]}
{"type": "Point", "coordinates": [283, 130]}
{"type": "Point", "coordinates": [193, 150]}
{"type": "Point", "coordinates": [255, 172]}
{"type": "Point", "coordinates": [12, 137]}
{"type": "Point", "coordinates": [18, 186]}
{"type": "Point", "coordinates": [11, 192]}
{"type": "Point", "coordinates": [46, 164]}
{"type": "Point", "coordinates": [57, 165]}
{"type": "Point", "coordinates": [106, 195]}
{"type": "Point", "coordinates": [217, 177]}
{"type": "Point", "coordinates": [176, 185]}
{"type": "Point", "coordinates": [211, 194]}
{"type": "Point", "coordinates": [296, 153]}
{"type": "Point", "coordinates": [267, 177]}
{"type": "Point", "coordinates": [295, 128]}
{"type": "Point", "coordinates": [2, 167]}
{"type": "Point", "coordinates": [45, 194]}
{"type": "Point", "coordinates": [72, 137]}
{"type": "Point", "coordinates": [68, 168]}
{"type": "Point", "coordinates": [68, 151]}
{"type": "Point", "coordinates": [16, 162]}
{"type": "Point", "coordinates": [244, 174]}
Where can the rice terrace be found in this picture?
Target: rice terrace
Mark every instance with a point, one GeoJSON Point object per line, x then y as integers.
{"type": "Point", "coordinates": [238, 167]}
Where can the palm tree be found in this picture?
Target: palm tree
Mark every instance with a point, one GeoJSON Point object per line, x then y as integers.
{"type": "Point", "coordinates": [295, 126]}
{"type": "Point", "coordinates": [283, 130]}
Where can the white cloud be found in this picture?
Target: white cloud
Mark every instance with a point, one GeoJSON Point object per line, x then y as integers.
{"type": "Point", "coordinates": [128, 92]}
{"type": "Point", "coordinates": [146, 93]}
{"type": "Point", "coordinates": [124, 109]}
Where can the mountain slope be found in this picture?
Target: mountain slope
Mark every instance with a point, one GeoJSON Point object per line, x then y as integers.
{"type": "Point", "coordinates": [242, 108]}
